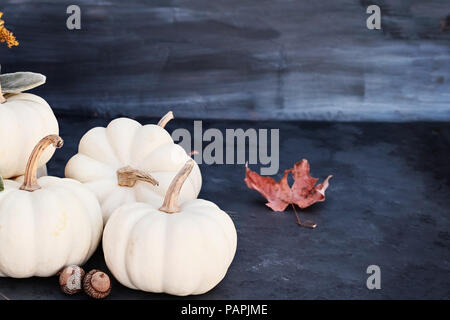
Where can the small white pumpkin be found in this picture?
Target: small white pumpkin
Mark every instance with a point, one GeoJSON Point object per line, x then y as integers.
{"type": "Point", "coordinates": [127, 162]}
{"type": "Point", "coordinates": [24, 119]}
{"type": "Point", "coordinates": [47, 223]}
{"type": "Point", "coordinates": [177, 250]}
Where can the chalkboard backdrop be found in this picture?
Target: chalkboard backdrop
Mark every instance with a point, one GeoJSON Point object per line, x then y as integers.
{"type": "Point", "coordinates": [236, 59]}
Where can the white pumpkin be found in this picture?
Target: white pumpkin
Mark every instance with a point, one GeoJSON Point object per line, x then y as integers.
{"type": "Point", "coordinates": [127, 162]}
{"type": "Point", "coordinates": [24, 119]}
{"type": "Point", "coordinates": [177, 250]}
{"type": "Point", "coordinates": [47, 223]}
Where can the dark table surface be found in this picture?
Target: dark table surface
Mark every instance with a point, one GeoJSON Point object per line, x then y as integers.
{"type": "Point", "coordinates": [388, 205]}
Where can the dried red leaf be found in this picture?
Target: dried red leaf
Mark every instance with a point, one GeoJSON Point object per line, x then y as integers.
{"type": "Point", "coordinates": [304, 191]}
{"type": "Point", "coordinates": [277, 193]}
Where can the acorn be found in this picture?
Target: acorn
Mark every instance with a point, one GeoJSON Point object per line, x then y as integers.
{"type": "Point", "coordinates": [97, 284]}
{"type": "Point", "coordinates": [71, 279]}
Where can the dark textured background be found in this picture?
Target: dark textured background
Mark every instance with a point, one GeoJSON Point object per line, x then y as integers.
{"type": "Point", "coordinates": [388, 203]}
{"type": "Point", "coordinates": [256, 59]}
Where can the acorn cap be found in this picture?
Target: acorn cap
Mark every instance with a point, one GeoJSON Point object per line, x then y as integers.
{"type": "Point", "coordinates": [71, 279]}
{"type": "Point", "coordinates": [97, 284]}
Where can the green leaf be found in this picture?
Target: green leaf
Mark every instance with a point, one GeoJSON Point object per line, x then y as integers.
{"type": "Point", "coordinates": [2, 185]}
{"type": "Point", "coordinates": [20, 81]}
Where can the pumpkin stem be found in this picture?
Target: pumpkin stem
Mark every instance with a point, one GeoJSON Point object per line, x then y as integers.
{"type": "Point", "coordinates": [2, 98]}
{"type": "Point", "coordinates": [127, 177]}
{"type": "Point", "coordinates": [170, 204]}
{"type": "Point", "coordinates": [164, 120]}
{"type": "Point", "coordinates": [30, 179]}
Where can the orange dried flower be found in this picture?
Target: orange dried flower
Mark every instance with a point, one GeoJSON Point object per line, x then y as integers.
{"type": "Point", "coordinates": [6, 35]}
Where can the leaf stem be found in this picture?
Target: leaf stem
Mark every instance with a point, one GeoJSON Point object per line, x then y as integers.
{"type": "Point", "coordinates": [307, 224]}
{"type": "Point", "coordinates": [4, 296]}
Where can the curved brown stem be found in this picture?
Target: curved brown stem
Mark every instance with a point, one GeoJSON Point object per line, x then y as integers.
{"type": "Point", "coordinates": [4, 296]}
{"type": "Point", "coordinates": [2, 98]}
{"type": "Point", "coordinates": [127, 177]}
{"type": "Point", "coordinates": [165, 119]}
{"type": "Point", "coordinates": [170, 204]}
{"type": "Point", "coordinates": [306, 224]}
{"type": "Point", "coordinates": [30, 179]}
